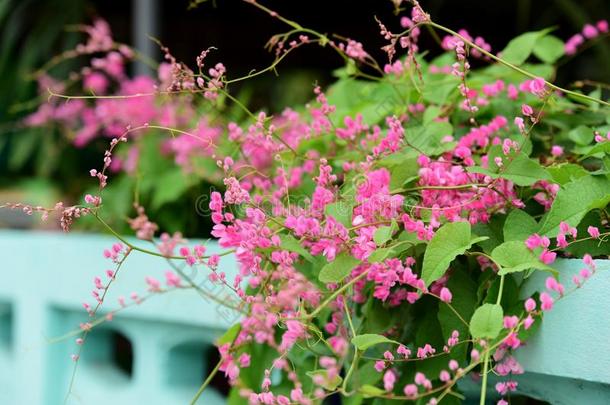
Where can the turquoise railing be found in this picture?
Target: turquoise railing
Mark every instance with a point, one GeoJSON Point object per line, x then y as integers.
{"type": "Point", "coordinates": [567, 362]}
{"type": "Point", "coordinates": [46, 276]}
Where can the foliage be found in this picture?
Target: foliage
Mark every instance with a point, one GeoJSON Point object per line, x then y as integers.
{"type": "Point", "coordinates": [382, 231]}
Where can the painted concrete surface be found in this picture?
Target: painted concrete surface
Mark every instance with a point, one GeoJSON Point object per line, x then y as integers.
{"type": "Point", "coordinates": [46, 276]}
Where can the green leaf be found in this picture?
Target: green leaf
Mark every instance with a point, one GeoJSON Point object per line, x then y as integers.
{"type": "Point", "coordinates": [520, 48]}
{"type": "Point", "coordinates": [428, 330]}
{"type": "Point", "coordinates": [405, 241]}
{"type": "Point", "coordinates": [599, 149]}
{"type": "Point", "coordinates": [493, 230]}
{"type": "Point", "coordinates": [384, 233]}
{"type": "Point", "coordinates": [428, 138]}
{"type": "Point", "coordinates": [380, 255]}
{"type": "Point", "coordinates": [169, 187]}
{"type": "Point", "coordinates": [374, 100]}
{"type": "Point", "coordinates": [329, 385]}
{"type": "Point", "coordinates": [519, 225]}
{"type": "Point", "coordinates": [363, 342]}
{"type": "Point", "coordinates": [230, 335]}
{"type": "Point", "coordinates": [342, 211]}
{"type": "Point", "coordinates": [514, 257]}
{"type": "Point", "coordinates": [398, 159]}
{"type": "Point", "coordinates": [521, 170]}
{"type": "Point", "coordinates": [370, 391]}
{"type": "Point", "coordinates": [431, 113]}
{"type": "Point", "coordinates": [438, 91]}
{"type": "Point", "coordinates": [291, 244]}
{"type": "Point", "coordinates": [23, 148]}
{"type": "Point", "coordinates": [573, 201]}
{"type": "Point", "coordinates": [464, 301]}
{"type": "Point", "coordinates": [566, 173]}
{"type": "Point", "coordinates": [486, 322]}
{"type": "Point", "coordinates": [594, 247]}
{"type": "Point", "coordinates": [549, 48]}
{"type": "Point", "coordinates": [338, 269]}
{"type": "Point", "coordinates": [449, 241]}
{"type": "Point", "coordinates": [581, 135]}
{"type": "Point", "coordinates": [403, 167]}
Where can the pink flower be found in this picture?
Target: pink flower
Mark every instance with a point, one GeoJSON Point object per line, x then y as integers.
{"type": "Point", "coordinates": [593, 232]}
{"type": "Point", "coordinates": [547, 257]}
{"type": "Point", "coordinates": [588, 260]}
{"type": "Point", "coordinates": [410, 390]}
{"type": "Point", "coordinates": [589, 31]}
{"type": "Point", "coordinates": [561, 241]}
{"type": "Point", "coordinates": [546, 301]}
{"type": "Point", "coordinates": [530, 305]}
{"type": "Point", "coordinates": [512, 341]}
{"type": "Point", "coordinates": [244, 360]}
{"type": "Point", "coordinates": [512, 92]}
{"type": "Point", "coordinates": [213, 260]}
{"type": "Point", "coordinates": [171, 279]}
{"type": "Point", "coordinates": [537, 86]}
{"type": "Point", "coordinates": [576, 280]}
{"type": "Point", "coordinates": [420, 379]}
{"type": "Point", "coordinates": [389, 378]}
{"type": "Point", "coordinates": [446, 295]}
{"type": "Point", "coordinates": [520, 124]}
{"type": "Point", "coordinates": [528, 322]}
{"type": "Point", "coordinates": [423, 352]}
{"type": "Point", "coordinates": [556, 150]}
{"type": "Point", "coordinates": [533, 241]}
{"type": "Point", "coordinates": [553, 285]}
{"type": "Point", "coordinates": [96, 83]}
{"type": "Point", "coordinates": [510, 322]}
{"type": "Point", "coordinates": [404, 351]}
{"type": "Point", "coordinates": [153, 284]}
{"type": "Point", "coordinates": [526, 110]}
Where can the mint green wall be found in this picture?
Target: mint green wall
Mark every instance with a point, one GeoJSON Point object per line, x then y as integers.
{"type": "Point", "coordinates": [568, 361]}
{"type": "Point", "coordinates": [44, 277]}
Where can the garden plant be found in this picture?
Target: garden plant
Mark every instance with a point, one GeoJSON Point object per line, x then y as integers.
{"type": "Point", "coordinates": [383, 231]}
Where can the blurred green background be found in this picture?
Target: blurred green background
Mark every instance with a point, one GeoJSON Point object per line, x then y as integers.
{"type": "Point", "coordinates": [41, 166]}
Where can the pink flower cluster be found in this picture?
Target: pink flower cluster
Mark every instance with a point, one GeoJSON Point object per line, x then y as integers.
{"type": "Point", "coordinates": [589, 31]}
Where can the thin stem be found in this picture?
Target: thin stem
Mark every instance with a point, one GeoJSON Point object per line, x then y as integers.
{"type": "Point", "coordinates": [202, 292]}
{"type": "Point", "coordinates": [484, 380]}
{"type": "Point", "coordinates": [93, 313]}
{"type": "Point", "coordinates": [349, 317]}
{"type": "Point", "coordinates": [516, 68]}
{"type": "Point", "coordinates": [450, 307]}
{"type": "Point", "coordinates": [336, 293]}
{"type": "Point", "coordinates": [149, 252]}
{"type": "Point", "coordinates": [455, 187]}
{"type": "Point", "coordinates": [500, 290]}
{"type": "Point", "coordinates": [352, 367]}
{"type": "Point", "coordinates": [207, 382]}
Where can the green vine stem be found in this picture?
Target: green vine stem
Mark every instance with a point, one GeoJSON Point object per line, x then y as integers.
{"type": "Point", "coordinates": [515, 68]}
{"type": "Point", "coordinates": [207, 382]}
